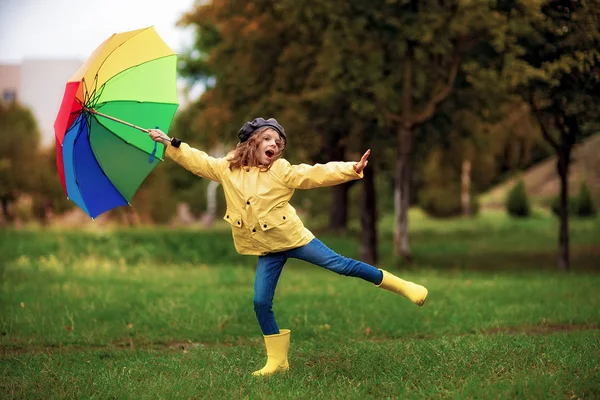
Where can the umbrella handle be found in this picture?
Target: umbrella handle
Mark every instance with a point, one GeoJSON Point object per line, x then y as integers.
{"type": "Point", "coordinates": [92, 111]}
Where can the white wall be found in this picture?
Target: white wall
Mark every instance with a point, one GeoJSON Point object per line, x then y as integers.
{"type": "Point", "coordinates": [42, 87]}
{"type": "Point", "coordinates": [10, 79]}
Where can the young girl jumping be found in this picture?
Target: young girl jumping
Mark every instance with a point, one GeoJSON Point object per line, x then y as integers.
{"type": "Point", "coordinates": [258, 186]}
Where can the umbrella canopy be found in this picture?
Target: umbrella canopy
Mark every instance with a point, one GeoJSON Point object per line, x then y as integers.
{"type": "Point", "coordinates": [127, 83]}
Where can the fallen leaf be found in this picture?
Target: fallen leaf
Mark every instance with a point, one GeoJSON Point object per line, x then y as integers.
{"type": "Point", "coordinates": [22, 305]}
{"type": "Point", "coordinates": [368, 331]}
{"type": "Point", "coordinates": [69, 328]}
{"type": "Point", "coordinates": [130, 325]}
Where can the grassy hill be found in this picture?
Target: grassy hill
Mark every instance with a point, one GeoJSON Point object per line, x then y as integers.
{"type": "Point", "coordinates": [542, 181]}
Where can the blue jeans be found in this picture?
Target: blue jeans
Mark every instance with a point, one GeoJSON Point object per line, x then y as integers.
{"type": "Point", "coordinates": [269, 268]}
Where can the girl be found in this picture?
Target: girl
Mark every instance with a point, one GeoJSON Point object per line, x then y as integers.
{"type": "Point", "coordinates": [258, 186]}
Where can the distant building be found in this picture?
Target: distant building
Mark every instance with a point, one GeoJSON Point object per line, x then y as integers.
{"type": "Point", "coordinates": [10, 81]}
{"type": "Point", "coordinates": [39, 85]}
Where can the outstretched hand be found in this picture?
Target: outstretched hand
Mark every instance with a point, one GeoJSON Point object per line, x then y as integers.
{"type": "Point", "coordinates": [359, 166]}
{"type": "Point", "coordinates": [158, 136]}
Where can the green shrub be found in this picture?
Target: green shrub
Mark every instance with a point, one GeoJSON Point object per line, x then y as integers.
{"type": "Point", "coordinates": [571, 206]}
{"type": "Point", "coordinates": [444, 201]}
{"type": "Point", "coordinates": [581, 205]}
{"type": "Point", "coordinates": [440, 201]}
{"type": "Point", "coordinates": [585, 203]}
{"type": "Point", "coordinates": [517, 203]}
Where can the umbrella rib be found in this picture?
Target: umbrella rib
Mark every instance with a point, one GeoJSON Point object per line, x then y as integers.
{"type": "Point", "coordinates": [74, 169]}
{"type": "Point", "coordinates": [124, 123]}
{"type": "Point", "coordinates": [100, 105]}
{"type": "Point", "coordinates": [93, 96]}
{"type": "Point", "coordinates": [87, 93]}
{"type": "Point", "coordinates": [115, 49]}
{"type": "Point", "coordinates": [96, 96]}
{"type": "Point", "coordinates": [99, 162]}
{"type": "Point", "coordinates": [89, 125]}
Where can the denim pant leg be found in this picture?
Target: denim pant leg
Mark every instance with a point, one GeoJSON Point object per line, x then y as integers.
{"type": "Point", "coordinates": [317, 253]}
{"type": "Point", "coordinates": [268, 270]}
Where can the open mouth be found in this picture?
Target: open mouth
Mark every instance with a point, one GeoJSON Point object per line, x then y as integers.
{"type": "Point", "coordinates": [269, 153]}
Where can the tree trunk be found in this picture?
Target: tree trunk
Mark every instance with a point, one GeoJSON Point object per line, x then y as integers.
{"type": "Point", "coordinates": [368, 219]}
{"type": "Point", "coordinates": [465, 197]}
{"type": "Point", "coordinates": [563, 237]}
{"type": "Point", "coordinates": [409, 119]}
{"type": "Point", "coordinates": [569, 131]}
{"type": "Point", "coordinates": [402, 193]}
{"type": "Point", "coordinates": [338, 211]}
{"type": "Point", "coordinates": [8, 217]}
{"type": "Point", "coordinates": [208, 217]}
{"type": "Point", "coordinates": [402, 177]}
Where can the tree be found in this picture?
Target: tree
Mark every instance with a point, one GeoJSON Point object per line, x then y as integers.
{"type": "Point", "coordinates": [19, 140]}
{"type": "Point", "coordinates": [47, 192]}
{"type": "Point", "coordinates": [422, 47]}
{"type": "Point", "coordinates": [558, 74]}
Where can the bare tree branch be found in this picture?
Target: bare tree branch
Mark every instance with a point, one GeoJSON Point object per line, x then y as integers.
{"type": "Point", "coordinates": [442, 93]}
{"type": "Point", "coordinates": [393, 117]}
{"type": "Point", "coordinates": [545, 133]}
{"type": "Point", "coordinates": [515, 116]}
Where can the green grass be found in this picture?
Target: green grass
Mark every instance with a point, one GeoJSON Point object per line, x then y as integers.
{"type": "Point", "coordinates": [119, 315]}
{"type": "Point", "coordinates": [491, 241]}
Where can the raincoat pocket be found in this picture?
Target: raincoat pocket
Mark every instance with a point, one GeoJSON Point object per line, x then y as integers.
{"type": "Point", "coordinates": [274, 218]}
{"type": "Point", "coordinates": [235, 219]}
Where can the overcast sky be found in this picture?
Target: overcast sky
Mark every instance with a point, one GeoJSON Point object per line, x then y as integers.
{"type": "Point", "coordinates": [73, 29]}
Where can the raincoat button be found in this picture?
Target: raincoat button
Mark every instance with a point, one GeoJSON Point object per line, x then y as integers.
{"type": "Point", "coordinates": [238, 222]}
{"type": "Point", "coordinates": [227, 216]}
{"type": "Point", "coordinates": [254, 230]}
{"type": "Point", "coordinates": [248, 202]}
{"type": "Point", "coordinates": [265, 225]}
{"type": "Point", "coordinates": [284, 217]}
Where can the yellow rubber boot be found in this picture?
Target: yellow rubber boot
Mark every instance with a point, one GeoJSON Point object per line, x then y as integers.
{"type": "Point", "coordinates": [415, 293]}
{"type": "Point", "coordinates": [277, 350]}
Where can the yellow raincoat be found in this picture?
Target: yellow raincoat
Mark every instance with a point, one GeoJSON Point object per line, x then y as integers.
{"type": "Point", "coordinates": [258, 209]}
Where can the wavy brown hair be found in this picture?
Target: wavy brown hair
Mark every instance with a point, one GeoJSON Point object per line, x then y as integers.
{"type": "Point", "coordinates": [244, 154]}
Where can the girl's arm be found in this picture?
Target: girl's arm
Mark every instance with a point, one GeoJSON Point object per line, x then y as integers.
{"type": "Point", "coordinates": [305, 176]}
{"type": "Point", "coordinates": [194, 160]}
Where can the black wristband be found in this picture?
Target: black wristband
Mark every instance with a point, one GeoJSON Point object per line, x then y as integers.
{"type": "Point", "coordinates": [175, 142]}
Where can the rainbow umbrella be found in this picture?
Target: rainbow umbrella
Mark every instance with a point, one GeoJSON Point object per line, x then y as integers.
{"type": "Point", "coordinates": [127, 85]}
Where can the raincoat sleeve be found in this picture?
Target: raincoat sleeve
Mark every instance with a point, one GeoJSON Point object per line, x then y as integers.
{"type": "Point", "coordinates": [196, 161]}
{"type": "Point", "coordinates": [304, 176]}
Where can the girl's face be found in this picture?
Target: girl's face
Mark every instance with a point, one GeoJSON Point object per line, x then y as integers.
{"type": "Point", "coordinates": [268, 147]}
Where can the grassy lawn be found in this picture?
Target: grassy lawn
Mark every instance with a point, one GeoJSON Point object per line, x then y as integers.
{"type": "Point", "coordinates": [123, 315]}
